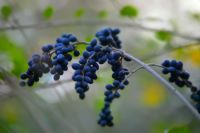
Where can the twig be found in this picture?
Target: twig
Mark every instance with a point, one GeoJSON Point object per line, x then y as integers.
{"type": "Point", "coordinates": [164, 82]}
{"type": "Point", "coordinates": [142, 67]}
{"type": "Point", "coordinates": [162, 52]}
{"type": "Point", "coordinates": [17, 23]}
{"type": "Point", "coordinates": [55, 84]}
{"type": "Point", "coordinates": [61, 23]}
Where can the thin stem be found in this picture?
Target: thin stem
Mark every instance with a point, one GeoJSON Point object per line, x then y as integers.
{"type": "Point", "coordinates": [60, 23]}
{"type": "Point", "coordinates": [164, 82]}
{"type": "Point", "coordinates": [76, 43]}
{"type": "Point", "coordinates": [163, 52]}
{"type": "Point", "coordinates": [142, 67]}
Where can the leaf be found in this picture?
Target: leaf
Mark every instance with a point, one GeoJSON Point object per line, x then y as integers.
{"type": "Point", "coordinates": [79, 13]}
{"type": "Point", "coordinates": [48, 12]}
{"type": "Point", "coordinates": [129, 11]}
{"type": "Point", "coordinates": [163, 35]}
{"type": "Point", "coordinates": [81, 48]}
{"type": "Point", "coordinates": [15, 53]}
{"type": "Point", "coordinates": [98, 103]}
{"type": "Point", "coordinates": [89, 38]}
{"type": "Point", "coordinates": [6, 11]}
{"type": "Point", "coordinates": [1, 75]}
{"type": "Point", "coordinates": [4, 126]}
{"type": "Point", "coordinates": [195, 16]}
{"type": "Point", "coordinates": [159, 126]}
{"type": "Point", "coordinates": [180, 129]}
{"type": "Point", "coordinates": [103, 14]}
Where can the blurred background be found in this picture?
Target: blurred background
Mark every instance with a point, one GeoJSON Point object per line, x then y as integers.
{"type": "Point", "coordinates": [150, 30]}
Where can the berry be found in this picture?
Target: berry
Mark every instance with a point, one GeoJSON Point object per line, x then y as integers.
{"type": "Point", "coordinates": [177, 74]}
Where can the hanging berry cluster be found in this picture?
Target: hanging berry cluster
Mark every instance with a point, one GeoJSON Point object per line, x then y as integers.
{"type": "Point", "coordinates": [102, 49]}
{"type": "Point", "coordinates": [105, 48]}
{"type": "Point", "coordinates": [181, 78]}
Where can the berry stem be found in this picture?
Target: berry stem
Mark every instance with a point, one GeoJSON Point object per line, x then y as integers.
{"type": "Point", "coordinates": [164, 82]}
{"type": "Point", "coordinates": [142, 67]}
{"type": "Point", "coordinates": [76, 43]}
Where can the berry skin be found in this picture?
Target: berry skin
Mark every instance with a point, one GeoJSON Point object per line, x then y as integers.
{"type": "Point", "coordinates": [166, 63]}
{"type": "Point", "coordinates": [185, 75]}
{"type": "Point", "coordinates": [56, 77]}
{"type": "Point", "coordinates": [195, 97]}
{"type": "Point", "coordinates": [109, 87]}
{"type": "Point", "coordinates": [177, 74]}
{"type": "Point", "coordinates": [76, 53]}
{"type": "Point", "coordinates": [24, 76]}
{"type": "Point", "coordinates": [165, 71]}
{"type": "Point", "coordinates": [76, 66]}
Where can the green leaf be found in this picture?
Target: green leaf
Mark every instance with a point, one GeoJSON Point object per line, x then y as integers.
{"type": "Point", "coordinates": [79, 13]}
{"type": "Point", "coordinates": [98, 103]}
{"type": "Point", "coordinates": [1, 75]}
{"type": "Point", "coordinates": [48, 12]}
{"type": "Point", "coordinates": [163, 35]}
{"type": "Point", "coordinates": [195, 16]}
{"type": "Point", "coordinates": [81, 48]}
{"type": "Point", "coordinates": [15, 53]}
{"type": "Point", "coordinates": [6, 11]}
{"type": "Point", "coordinates": [103, 14]}
{"type": "Point", "coordinates": [129, 11]}
{"type": "Point", "coordinates": [4, 126]}
{"type": "Point", "coordinates": [89, 38]}
{"type": "Point", "coordinates": [181, 129]}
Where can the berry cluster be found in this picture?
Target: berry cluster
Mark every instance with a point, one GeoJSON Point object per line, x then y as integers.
{"type": "Point", "coordinates": [109, 37]}
{"type": "Point", "coordinates": [105, 48]}
{"type": "Point", "coordinates": [54, 59]}
{"type": "Point", "coordinates": [62, 56]}
{"type": "Point", "coordinates": [112, 90]}
{"type": "Point", "coordinates": [181, 79]}
{"type": "Point", "coordinates": [37, 66]}
{"type": "Point", "coordinates": [85, 70]}
{"type": "Point", "coordinates": [98, 52]}
{"type": "Point", "coordinates": [177, 74]}
{"type": "Point", "coordinates": [195, 96]}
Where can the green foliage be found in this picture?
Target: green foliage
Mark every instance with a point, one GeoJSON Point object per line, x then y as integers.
{"type": "Point", "coordinates": [89, 38]}
{"type": "Point", "coordinates": [79, 13]}
{"type": "Point", "coordinates": [159, 127]}
{"type": "Point", "coordinates": [1, 75]}
{"type": "Point", "coordinates": [181, 129]}
{"type": "Point", "coordinates": [6, 11]}
{"type": "Point", "coordinates": [195, 16]}
{"type": "Point", "coordinates": [48, 12]}
{"type": "Point", "coordinates": [4, 126]}
{"type": "Point", "coordinates": [81, 48]}
{"type": "Point", "coordinates": [129, 11]}
{"type": "Point", "coordinates": [163, 35]}
{"type": "Point", "coordinates": [15, 53]}
{"type": "Point", "coordinates": [103, 14]}
{"type": "Point", "coordinates": [98, 103]}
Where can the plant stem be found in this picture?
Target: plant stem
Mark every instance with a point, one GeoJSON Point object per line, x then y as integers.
{"type": "Point", "coordinates": [60, 23]}
{"type": "Point", "coordinates": [164, 82]}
